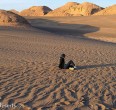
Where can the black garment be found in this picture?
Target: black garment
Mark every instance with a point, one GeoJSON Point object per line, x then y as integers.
{"type": "Point", "coordinates": [62, 63]}
{"type": "Point", "coordinates": [69, 64]}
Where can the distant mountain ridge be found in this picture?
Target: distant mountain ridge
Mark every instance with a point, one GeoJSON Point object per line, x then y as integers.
{"type": "Point", "coordinates": [75, 9]}
{"type": "Point", "coordinates": [68, 9]}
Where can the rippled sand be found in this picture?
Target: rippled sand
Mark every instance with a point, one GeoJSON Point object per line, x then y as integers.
{"type": "Point", "coordinates": [29, 72]}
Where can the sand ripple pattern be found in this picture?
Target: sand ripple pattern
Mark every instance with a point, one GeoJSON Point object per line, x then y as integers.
{"type": "Point", "coordinates": [29, 72]}
{"type": "Point", "coordinates": [51, 88]}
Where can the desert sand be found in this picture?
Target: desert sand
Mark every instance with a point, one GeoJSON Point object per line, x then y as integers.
{"type": "Point", "coordinates": [29, 57]}
{"type": "Point", "coordinates": [97, 27]}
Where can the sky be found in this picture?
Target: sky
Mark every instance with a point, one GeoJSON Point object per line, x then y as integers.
{"type": "Point", "coordinates": [23, 4]}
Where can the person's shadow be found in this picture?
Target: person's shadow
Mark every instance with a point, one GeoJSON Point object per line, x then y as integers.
{"type": "Point", "coordinates": [94, 66]}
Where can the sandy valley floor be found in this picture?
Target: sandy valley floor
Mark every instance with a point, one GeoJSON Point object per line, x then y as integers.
{"type": "Point", "coordinates": [29, 58]}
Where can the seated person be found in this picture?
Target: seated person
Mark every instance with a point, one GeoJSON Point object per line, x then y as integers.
{"type": "Point", "coordinates": [62, 64]}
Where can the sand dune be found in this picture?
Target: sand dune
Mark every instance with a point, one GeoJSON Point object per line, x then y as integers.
{"type": "Point", "coordinates": [10, 18]}
{"type": "Point", "coordinates": [108, 11]}
{"type": "Point", "coordinates": [75, 9]}
{"type": "Point", "coordinates": [36, 11]}
{"type": "Point", "coordinates": [29, 73]}
{"type": "Point", "coordinates": [79, 26]}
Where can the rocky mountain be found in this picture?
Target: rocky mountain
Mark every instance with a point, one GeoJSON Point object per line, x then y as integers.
{"type": "Point", "coordinates": [8, 17]}
{"type": "Point", "coordinates": [36, 11]}
{"type": "Point", "coordinates": [108, 11]}
{"type": "Point", "coordinates": [14, 11]}
{"type": "Point", "coordinates": [75, 9]}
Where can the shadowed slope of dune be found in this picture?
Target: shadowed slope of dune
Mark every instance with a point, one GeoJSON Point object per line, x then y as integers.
{"type": "Point", "coordinates": [79, 26]}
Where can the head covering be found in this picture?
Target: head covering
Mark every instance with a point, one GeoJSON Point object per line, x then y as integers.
{"type": "Point", "coordinates": [63, 55]}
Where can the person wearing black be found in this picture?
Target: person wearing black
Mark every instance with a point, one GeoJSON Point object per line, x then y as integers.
{"type": "Point", "coordinates": [62, 64]}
